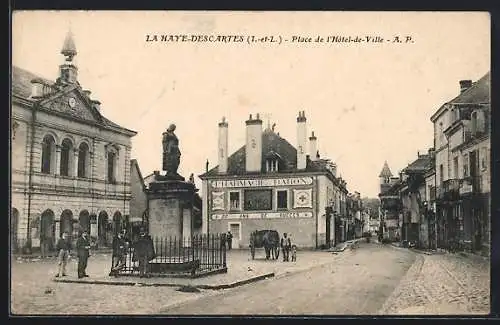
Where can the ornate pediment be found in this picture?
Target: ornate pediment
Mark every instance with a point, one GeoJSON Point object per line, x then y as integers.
{"type": "Point", "coordinates": [74, 104]}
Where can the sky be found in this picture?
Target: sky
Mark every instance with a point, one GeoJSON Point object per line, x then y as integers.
{"type": "Point", "coordinates": [366, 102]}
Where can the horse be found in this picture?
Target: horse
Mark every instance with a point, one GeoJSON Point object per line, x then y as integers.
{"type": "Point", "coordinates": [268, 239]}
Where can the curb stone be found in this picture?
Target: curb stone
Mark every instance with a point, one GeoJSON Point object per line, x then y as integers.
{"type": "Point", "coordinates": [198, 286]}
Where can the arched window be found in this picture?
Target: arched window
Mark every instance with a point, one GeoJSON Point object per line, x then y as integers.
{"type": "Point", "coordinates": [83, 160]}
{"type": "Point", "coordinates": [48, 154]}
{"type": "Point", "coordinates": [111, 167]}
{"type": "Point", "coordinates": [65, 157]}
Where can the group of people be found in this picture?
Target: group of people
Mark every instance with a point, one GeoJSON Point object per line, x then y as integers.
{"type": "Point", "coordinates": [143, 253]}
{"type": "Point", "coordinates": [227, 240]}
{"type": "Point", "coordinates": [64, 248]}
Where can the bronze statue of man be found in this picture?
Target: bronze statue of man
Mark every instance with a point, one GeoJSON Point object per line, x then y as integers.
{"type": "Point", "coordinates": [171, 152]}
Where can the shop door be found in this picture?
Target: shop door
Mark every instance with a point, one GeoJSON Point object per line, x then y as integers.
{"type": "Point", "coordinates": [235, 231]}
{"type": "Point", "coordinates": [328, 222]}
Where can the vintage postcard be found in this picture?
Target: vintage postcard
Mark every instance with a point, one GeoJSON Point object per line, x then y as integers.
{"type": "Point", "coordinates": [250, 163]}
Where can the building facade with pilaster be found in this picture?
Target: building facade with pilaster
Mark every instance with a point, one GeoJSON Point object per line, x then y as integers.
{"type": "Point", "coordinates": [70, 166]}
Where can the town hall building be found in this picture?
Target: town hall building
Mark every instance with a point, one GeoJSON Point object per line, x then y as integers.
{"type": "Point", "coordinates": [270, 184]}
{"type": "Point", "coordinates": [70, 164]}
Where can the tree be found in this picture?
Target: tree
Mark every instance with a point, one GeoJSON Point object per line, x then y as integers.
{"type": "Point", "coordinates": [372, 205]}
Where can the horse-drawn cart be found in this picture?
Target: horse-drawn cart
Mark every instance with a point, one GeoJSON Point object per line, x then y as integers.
{"type": "Point", "coordinates": [267, 239]}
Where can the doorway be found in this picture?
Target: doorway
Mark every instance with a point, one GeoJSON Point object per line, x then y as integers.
{"type": "Point", "coordinates": [235, 228]}
{"type": "Point", "coordinates": [47, 230]}
{"type": "Point", "coordinates": [328, 232]}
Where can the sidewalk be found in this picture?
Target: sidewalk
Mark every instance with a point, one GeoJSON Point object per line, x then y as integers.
{"type": "Point", "coordinates": [441, 251]}
{"type": "Point", "coordinates": [35, 257]}
{"type": "Point", "coordinates": [241, 270]}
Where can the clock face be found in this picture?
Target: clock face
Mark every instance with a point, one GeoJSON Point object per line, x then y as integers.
{"type": "Point", "coordinates": [71, 102]}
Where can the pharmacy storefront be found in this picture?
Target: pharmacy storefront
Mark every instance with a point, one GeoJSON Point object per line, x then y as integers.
{"type": "Point", "coordinates": [284, 204]}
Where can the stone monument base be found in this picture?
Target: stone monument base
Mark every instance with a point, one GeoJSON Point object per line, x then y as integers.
{"type": "Point", "coordinates": [170, 207]}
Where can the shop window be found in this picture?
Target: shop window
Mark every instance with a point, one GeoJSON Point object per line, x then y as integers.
{"type": "Point", "coordinates": [258, 200]}
{"type": "Point", "coordinates": [282, 199]}
{"type": "Point", "coordinates": [234, 200]}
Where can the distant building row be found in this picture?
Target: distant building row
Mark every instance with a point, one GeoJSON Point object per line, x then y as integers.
{"type": "Point", "coordinates": [442, 199]}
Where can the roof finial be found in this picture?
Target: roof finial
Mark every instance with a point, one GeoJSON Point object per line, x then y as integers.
{"type": "Point", "coordinates": [69, 48]}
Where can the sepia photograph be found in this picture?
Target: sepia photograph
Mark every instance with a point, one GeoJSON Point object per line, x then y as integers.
{"type": "Point", "coordinates": [232, 163]}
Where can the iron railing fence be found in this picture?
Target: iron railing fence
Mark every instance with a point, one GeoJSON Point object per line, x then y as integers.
{"type": "Point", "coordinates": [192, 256]}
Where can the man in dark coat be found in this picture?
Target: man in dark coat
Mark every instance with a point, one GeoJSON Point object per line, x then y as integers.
{"type": "Point", "coordinates": [229, 239]}
{"type": "Point", "coordinates": [83, 252]}
{"type": "Point", "coordinates": [119, 253]}
{"type": "Point", "coordinates": [143, 253]}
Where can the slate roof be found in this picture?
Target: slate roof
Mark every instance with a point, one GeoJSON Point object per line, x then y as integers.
{"type": "Point", "coordinates": [21, 86]}
{"type": "Point", "coordinates": [478, 93]}
{"type": "Point", "coordinates": [386, 172]}
{"type": "Point", "coordinates": [422, 164]}
{"type": "Point", "coordinates": [274, 145]}
{"type": "Point", "coordinates": [21, 82]}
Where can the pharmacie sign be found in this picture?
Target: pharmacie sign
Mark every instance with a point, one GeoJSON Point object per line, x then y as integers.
{"type": "Point", "coordinates": [266, 182]}
{"type": "Point", "coordinates": [263, 215]}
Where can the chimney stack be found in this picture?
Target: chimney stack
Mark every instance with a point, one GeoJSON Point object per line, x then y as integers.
{"type": "Point", "coordinates": [313, 147]}
{"type": "Point", "coordinates": [37, 89]}
{"type": "Point", "coordinates": [253, 148]}
{"type": "Point", "coordinates": [223, 145]}
{"type": "Point", "coordinates": [86, 93]}
{"type": "Point", "coordinates": [464, 85]}
{"type": "Point", "coordinates": [301, 141]}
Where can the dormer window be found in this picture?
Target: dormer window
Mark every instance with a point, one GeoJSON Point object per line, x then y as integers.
{"type": "Point", "coordinates": [272, 165]}
{"type": "Point", "coordinates": [272, 162]}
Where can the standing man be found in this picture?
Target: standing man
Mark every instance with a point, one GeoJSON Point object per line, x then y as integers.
{"type": "Point", "coordinates": [286, 244]}
{"type": "Point", "coordinates": [63, 248]}
{"type": "Point", "coordinates": [229, 239]}
{"type": "Point", "coordinates": [143, 253]}
{"type": "Point", "coordinates": [119, 253]}
{"type": "Point", "coordinates": [83, 251]}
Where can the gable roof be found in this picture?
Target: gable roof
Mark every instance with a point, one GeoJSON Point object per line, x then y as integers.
{"type": "Point", "coordinates": [22, 86]}
{"type": "Point", "coordinates": [273, 145]}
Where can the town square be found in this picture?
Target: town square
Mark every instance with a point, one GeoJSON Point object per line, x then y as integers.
{"type": "Point", "coordinates": [245, 168]}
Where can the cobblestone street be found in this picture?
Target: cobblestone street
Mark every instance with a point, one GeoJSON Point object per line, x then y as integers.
{"type": "Point", "coordinates": [372, 279]}
{"type": "Point", "coordinates": [34, 292]}
{"type": "Point", "coordinates": [443, 284]}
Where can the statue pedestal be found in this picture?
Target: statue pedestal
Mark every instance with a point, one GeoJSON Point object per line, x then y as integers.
{"type": "Point", "coordinates": [170, 208]}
